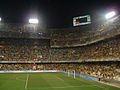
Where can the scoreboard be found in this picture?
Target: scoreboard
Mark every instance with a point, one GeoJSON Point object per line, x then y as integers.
{"type": "Point", "coordinates": [81, 20]}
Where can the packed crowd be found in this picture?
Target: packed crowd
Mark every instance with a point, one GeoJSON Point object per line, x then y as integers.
{"type": "Point", "coordinates": [24, 53]}
{"type": "Point", "coordinates": [13, 27]}
{"type": "Point", "coordinates": [66, 37]}
{"type": "Point", "coordinates": [104, 50]}
{"type": "Point", "coordinates": [40, 50]}
{"type": "Point", "coordinates": [15, 67]}
{"type": "Point", "coordinates": [24, 50]}
{"type": "Point", "coordinates": [96, 69]}
{"type": "Point", "coordinates": [23, 31]}
{"type": "Point", "coordinates": [37, 50]}
{"type": "Point", "coordinates": [109, 70]}
{"type": "Point", "coordinates": [84, 35]}
{"type": "Point", "coordinates": [34, 35]}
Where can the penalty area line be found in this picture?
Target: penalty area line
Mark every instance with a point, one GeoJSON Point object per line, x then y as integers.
{"type": "Point", "coordinates": [26, 82]}
{"type": "Point", "coordinates": [63, 87]}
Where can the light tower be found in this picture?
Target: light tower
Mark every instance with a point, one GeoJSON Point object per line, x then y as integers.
{"type": "Point", "coordinates": [34, 22]}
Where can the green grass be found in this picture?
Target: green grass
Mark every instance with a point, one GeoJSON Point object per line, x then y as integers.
{"type": "Point", "coordinates": [48, 81]}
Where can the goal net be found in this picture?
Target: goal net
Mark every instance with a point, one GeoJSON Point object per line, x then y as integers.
{"type": "Point", "coordinates": [71, 72]}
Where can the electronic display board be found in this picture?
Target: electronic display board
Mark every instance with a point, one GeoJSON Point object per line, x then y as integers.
{"type": "Point", "coordinates": [81, 20]}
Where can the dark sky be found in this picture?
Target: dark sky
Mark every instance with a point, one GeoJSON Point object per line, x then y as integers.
{"type": "Point", "coordinates": [54, 13]}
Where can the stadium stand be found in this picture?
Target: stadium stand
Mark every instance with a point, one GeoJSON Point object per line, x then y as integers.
{"type": "Point", "coordinates": [24, 50]}
{"type": "Point", "coordinates": [89, 50]}
{"type": "Point", "coordinates": [23, 31]}
{"type": "Point", "coordinates": [84, 35]}
{"type": "Point", "coordinates": [109, 70]}
{"type": "Point", "coordinates": [39, 50]}
{"type": "Point", "coordinates": [104, 50]}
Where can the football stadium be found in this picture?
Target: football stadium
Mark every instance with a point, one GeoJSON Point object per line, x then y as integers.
{"type": "Point", "coordinates": [85, 56]}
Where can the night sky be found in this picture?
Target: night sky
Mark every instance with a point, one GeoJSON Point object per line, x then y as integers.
{"type": "Point", "coordinates": [54, 13]}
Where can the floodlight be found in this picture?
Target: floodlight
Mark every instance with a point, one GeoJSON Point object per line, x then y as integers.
{"type": "Point", "coordinates": [110, 15]}
{"type": "Point", "coordinates": [2, 56]}
{"type": "Point", "coordinates": [33, 21]}
{"type": "Point", "coordinates": [0, 19]}
{"type": "Point", "coordinates": [40, 33]}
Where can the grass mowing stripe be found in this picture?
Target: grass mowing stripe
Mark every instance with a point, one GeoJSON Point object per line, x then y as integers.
{"type": "Point", "coordinates": [62, 79]}
{"type": "Point", "coordinates": [88, 82]}
{"type": "Point", "coordinates": [69, 87]}
{"type": "Point", "coordinates": [48, 81]}
{"type": "Point", "coordinates": [38, 80]}
{"type": "Point", "coordinates": [77, 78]}
{"type": "Point", "coordinates": [101, 87]}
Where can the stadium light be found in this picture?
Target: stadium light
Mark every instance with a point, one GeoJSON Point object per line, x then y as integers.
{"type": "Point", "coordinates": [2, 56]}
{"type": "Point", "coordinates": [33, 21]}
{"type": "Point", "coordinates": [0, 19]}
{"type": "Point", "coordinates": [110, 15]}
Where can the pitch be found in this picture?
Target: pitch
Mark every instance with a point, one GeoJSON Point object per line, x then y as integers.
{"type": "Point", "coordinates": [48, 81]}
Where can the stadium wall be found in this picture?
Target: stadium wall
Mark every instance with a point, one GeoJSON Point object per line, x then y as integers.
{"type": "Point", "coordinates": [28, 71]}
{"type": "Point", "coordinates": [83, 76]}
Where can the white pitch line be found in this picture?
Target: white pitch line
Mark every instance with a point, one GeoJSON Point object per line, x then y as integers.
{"type": "Point", "coordinates": [59, 78]}
{"type": "Point", "coordinates": [101, 87]}
{"type": "Point", "coordinates": [26, 82]}
{"type": "Point", "coordinates": [64, 87]}
{"type": "Point", "coordinates": [20, 79]}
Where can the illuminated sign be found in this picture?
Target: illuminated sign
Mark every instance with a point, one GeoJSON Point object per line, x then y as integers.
{"type": "Point", "coordinates": [81, 20]}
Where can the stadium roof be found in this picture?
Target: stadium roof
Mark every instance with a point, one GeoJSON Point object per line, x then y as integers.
{"type": "Point", "coordinates": [53, 13]}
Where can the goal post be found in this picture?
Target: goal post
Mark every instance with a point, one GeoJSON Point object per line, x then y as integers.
{"type": "Point", "coordinates": [71, 71]}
